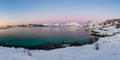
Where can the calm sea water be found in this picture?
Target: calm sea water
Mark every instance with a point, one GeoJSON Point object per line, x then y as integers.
{"type": "Point", "coordinates": [41, 36]}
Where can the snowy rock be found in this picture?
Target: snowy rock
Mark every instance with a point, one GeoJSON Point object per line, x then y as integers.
{"type": "Point", "coordinates": [108, 31]}
{"type": "Point", "coordinates": [112, 22]}
{"type": "Point", "coordinates": [93, 24]}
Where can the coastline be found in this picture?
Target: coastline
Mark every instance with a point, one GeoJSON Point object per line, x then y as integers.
{"type": "Point", "coordinates": [106, 48]}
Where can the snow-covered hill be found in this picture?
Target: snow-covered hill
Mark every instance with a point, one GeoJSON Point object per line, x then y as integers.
{"type": "Point", "coordinates": [107, 23]}
{"type": "Point", "coordinates": [112, 22]}
{"type": "Point", "coordinates": [72, 24]}
{"type": "Point", "coordinates": [93, 24]}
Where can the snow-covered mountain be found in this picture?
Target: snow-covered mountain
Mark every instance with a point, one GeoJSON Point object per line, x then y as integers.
{"type": "Point", "coordinates": [96, 24]}
{"type": "Point", "coordinates": [52, 25]}
{"type": "Point", "coordinates": [110, 28]}
{"type": "Point", "coordinates": [93, 24]}
{"type": "Point", "coordinates": [48, 25]}
{"type": "Point", "coordinates": [112, 22]}
{"type": "Point", "coordinates": [73, 24]}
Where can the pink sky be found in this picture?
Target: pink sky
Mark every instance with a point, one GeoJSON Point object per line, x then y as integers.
{"type": "Point", "coordinates": [46, 11]}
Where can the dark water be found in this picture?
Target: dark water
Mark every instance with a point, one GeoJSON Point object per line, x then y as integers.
{"type": "Point", "coordinates": [42, 36]}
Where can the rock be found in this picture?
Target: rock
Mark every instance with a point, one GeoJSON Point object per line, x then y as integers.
{"type": "Point", "coordinates": [93, 24]}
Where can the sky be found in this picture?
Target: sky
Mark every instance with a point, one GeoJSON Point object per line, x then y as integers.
{"type": "Point", "coordinates": [13, 12]}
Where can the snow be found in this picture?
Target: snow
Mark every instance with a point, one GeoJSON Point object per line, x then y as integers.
{"type": "Point", "coordinates": [109, 49]}
{"type": "Point", "coordinates": [111, 30]}
{"type": "Point", "coordinates": [93, 24]}
{"type": "Point", "coordinates": [53, 25]}
{"type": "Point", "coordinates": [73, 24]}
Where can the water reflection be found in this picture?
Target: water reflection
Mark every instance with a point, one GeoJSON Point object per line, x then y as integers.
{"type": "Point", "coordinates": [41, 36]}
